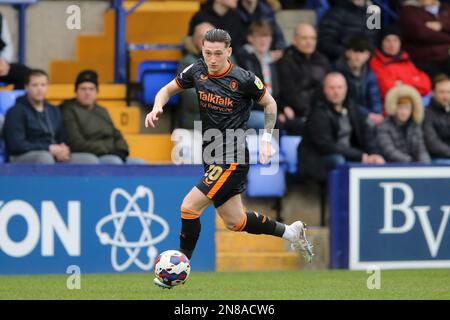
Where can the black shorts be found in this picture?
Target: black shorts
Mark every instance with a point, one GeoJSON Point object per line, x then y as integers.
{"type": "Point", "coordinates": [223, 181]}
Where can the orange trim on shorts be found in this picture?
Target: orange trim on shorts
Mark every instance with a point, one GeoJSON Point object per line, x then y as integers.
{"type": "Point", "coordinates": [221, 180]}
{"type": "Point", "coordinates": [241, 224]}
{"type": "Point", "coordinates": [189, 214]}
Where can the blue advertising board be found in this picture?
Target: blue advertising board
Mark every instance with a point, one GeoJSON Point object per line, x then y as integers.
{"type": "Point", "coordinates": [393, 217]}
{"type": "Point", "coordinates": [100, 218]}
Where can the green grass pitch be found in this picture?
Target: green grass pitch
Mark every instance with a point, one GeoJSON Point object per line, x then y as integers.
{"type": "Point", "coordinates": [335, 284]}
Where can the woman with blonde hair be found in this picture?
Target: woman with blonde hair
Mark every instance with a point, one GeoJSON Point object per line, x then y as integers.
{"type": "Point", "coordinates": [400, 136]}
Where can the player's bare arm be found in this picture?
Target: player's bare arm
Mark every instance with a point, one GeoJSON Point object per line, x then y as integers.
{"type": "Point", "coordinates": [162, 97]}
{"type": "Point", "coordinates": [270, 118]}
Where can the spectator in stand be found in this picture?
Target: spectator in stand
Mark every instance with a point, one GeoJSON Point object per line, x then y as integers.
{"type": "Point", "coordinates": [391, 64]}
{"type": "Point", "coordinates": [301, 72]}
{"type": "Point", "coordinates": [362, 82]}
{"type": "Point", "coordinates": [33, 128]}
{"type": "Point", "coordinates": [255, 56]}
{"type": "Point", "coordinates": [189, 111]}
{"type": "Point", "coordinates": [426, 34]}
{"type": "Point", "coordinates": [340, 24]}
{"type": "Point", "coordinates": [89, 127]}
{"type": "Point", "coordinates": [223, 15]}
{"type": "Point", "coordinates": [400, 137]}
{"type": "Point", "coordinates": [436, 126]}
{"type": "Point", "coordinates": [336, 132]}
{"type": "Point", "coordinates": [10, 73]}
{"type": "Point", "coordinates": [257, 10]}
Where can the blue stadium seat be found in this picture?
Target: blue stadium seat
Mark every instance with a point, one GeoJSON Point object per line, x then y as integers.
{"type": "Point", "coordinates": [427, 99]}
{"type": "Point", "coordinates": [288, 146]}
{"type": "Point", "coordinates": [320, 6]}
{"type": "Point", "coordinates": [153, 75]}
{"type": "Point", "coordinates": [7, 100]}
{"type": "Point", "coordinates": [263, 185]}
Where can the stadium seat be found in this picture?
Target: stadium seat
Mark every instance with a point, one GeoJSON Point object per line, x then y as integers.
{"type": "Point", "coordinates": [288, 146]}
{"type": "Point", "coordinates": [153, 75]}
{"type": "Point", "coordinates": [153, 148]}
{"type": "Point", "coordinates": [126, 119]}
{"type": "Point", "coordinates": [106, 92]}
{"type": "Point", "coordinates": [266, 181]}
{"type": "Point", "coordinates": [7, 100]}
{"type": "Point", "coordinates": [265, 186]}
{"type": "Point", "coordinates": [426, 100]}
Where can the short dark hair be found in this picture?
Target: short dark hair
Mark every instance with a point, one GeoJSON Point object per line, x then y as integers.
{"type": "Point", "coordinates": [217, 35]}
{"type": "Point", "coordinates": [440, 78]}
{"type": "Point", "coordinates": [358, 43]}
{"type": "Point", "coordinates": [260, 27]}
{"type": "Point", "coordinates": [34, 73]}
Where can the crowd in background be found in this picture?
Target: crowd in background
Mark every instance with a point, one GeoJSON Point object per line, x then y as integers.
{"type": "Point", "coordinates": [352, 93]}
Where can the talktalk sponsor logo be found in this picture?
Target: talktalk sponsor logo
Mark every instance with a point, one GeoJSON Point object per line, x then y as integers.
{"type": "Point", "coordinates": [215, 99]}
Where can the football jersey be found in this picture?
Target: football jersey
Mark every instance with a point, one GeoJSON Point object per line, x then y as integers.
{"type": "Point", "coordinates": [225, 100]}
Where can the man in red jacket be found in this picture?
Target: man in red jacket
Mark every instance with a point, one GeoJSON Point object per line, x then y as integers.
{"type": "Point", "coordinates": [391, 64]}
{"type": "Point", "coordinates": [426, 31]}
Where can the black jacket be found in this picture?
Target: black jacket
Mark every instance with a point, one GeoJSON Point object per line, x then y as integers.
{"type": "Point", "coordinates": [92, 131]}
{"type": "Point", "coordinates": [436, 130]}
{"type": "Point", "coordinates": [24, 131]}
{"type": "Point", "coordinates": [230, 22]}
{"type": "Point", "coordinates": [249, 61]}
{"type": "Point", "coordinates": [339, 25]}
{"type": "Point", "coordinates": [320, 138]}
{"type": "Point", "coordinates": [300, 76]}
{"type": "Point", "coordinates": [264, 12]}
{"type": "Point", "coordinates": [401, 144]}
{"type": "Point", "coordinates": [368, 96]}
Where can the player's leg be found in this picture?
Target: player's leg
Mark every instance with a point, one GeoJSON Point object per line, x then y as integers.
{"type": "Point", "coordinates": [236, 219]}
{"type": "Point", "coordinates": [192, 207]}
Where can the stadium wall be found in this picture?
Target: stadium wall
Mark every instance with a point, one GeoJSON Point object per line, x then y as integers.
{"type": "Point", "coordinates": [48, 38]}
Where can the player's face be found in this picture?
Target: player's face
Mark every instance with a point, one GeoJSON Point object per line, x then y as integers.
{"type": "Point", "coordinates": [442, 93]}
{"type": "Point", "coordinates": [86, 93]}
{"type": "Point", "coordinates": [216, 56]}
{"type": "Point", "coordinates": [37, 88]}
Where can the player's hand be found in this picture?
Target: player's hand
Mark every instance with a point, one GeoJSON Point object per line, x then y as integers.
{"type": "Point", "coordinates": [266, 152]}
{"type": "Point", "coordinates": [152, 117]}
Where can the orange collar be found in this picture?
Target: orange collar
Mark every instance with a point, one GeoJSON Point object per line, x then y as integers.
{"type": "Point", "coordinates": [227, 71]}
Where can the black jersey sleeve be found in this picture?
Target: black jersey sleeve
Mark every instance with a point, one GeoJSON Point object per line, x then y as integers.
{"type": "Point", "coordinates": [253, 86]}
{"type": "Point", "coordinates": [185, 79]}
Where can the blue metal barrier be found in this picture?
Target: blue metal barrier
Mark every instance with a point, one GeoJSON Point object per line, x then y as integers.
{"type": "Point", "coordinates": [21, 7]}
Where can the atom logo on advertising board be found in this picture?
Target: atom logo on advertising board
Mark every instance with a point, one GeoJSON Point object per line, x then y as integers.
{"type": "Point", "coordinates": [119, 240]}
